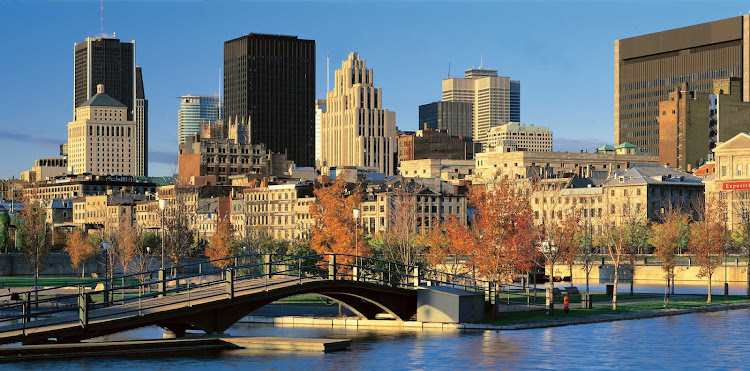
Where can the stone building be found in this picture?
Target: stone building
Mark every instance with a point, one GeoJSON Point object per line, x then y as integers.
{"type": "Point", "coordinates": [356, 130]}
{"type": "Point", "coordinates": [447, 170]}
{"type": "Point", "coordinates": [731, 180]}
{"type": "Point", "coordinates": [436, 144]}
{"type": "Point", "coordinates": [46, 168]}
{"type": "Point", "coordinates": [523, 137]}
{"type": "Point", "coordinates": [102, 140]}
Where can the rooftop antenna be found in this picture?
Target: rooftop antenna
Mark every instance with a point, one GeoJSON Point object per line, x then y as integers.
{"type": "Point", "coordinates": [328, 73]}
{"type": "Point", "coordinates": [101, 18]}
{"type": "Point", "coordinates": [449, 69]}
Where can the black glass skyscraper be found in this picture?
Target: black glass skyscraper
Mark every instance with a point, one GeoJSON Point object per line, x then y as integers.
{"type": "Point", "coordinates": [105, 61]}
{"type": "Point", "coordinates": [270, 81]}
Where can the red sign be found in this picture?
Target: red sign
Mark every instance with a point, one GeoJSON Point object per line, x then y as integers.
{"type": "Point", "coordinates": [735, 185]}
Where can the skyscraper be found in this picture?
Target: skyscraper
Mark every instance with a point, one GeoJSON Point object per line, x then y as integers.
{"type": "Point", "coordinates": [496, 99]}
{"type": "Point", "coordinates": [194, 110]}
{"type": "Point", "coordinates": [141, 125]}
{"type": "Point", "coordinates": [110, 62]}
{"type": "Point", "coordinates": [269, 82]}
{"type": "Point", "coordinates": [453, 117]}
{"type": "Point", "coordinates": [356, 130]}
{"type": "Point", "coordinates": [649, 67]}
{"type": "Point", "coordinates": [320, 109]}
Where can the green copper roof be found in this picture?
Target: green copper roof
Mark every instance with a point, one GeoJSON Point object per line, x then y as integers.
{"type": "Point", "coordinates": [606, 147]}
{"type": "Point", "coordinates": [625, 145]}
{"type": "Point", "coordinates": [102, 100]}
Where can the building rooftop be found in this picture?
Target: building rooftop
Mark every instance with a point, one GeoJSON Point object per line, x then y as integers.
{"type": "Point", "coordinates": [102, 100]}
{"type": "Point", "coordinates": [653, 175]}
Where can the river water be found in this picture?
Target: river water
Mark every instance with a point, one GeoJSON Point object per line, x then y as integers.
{"type": "Point", "coordinates": [695, 341]}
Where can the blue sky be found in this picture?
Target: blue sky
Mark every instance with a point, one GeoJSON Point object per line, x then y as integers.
{"type": "Point", "coordinates": [562, 51]}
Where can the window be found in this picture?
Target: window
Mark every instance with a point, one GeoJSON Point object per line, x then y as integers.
{"type": "Point", "coordinates": [723, 170]}
{"type": "Point", "coordinates": [739, 170]}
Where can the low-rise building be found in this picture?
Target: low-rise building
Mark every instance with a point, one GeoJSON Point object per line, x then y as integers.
{"type": "Point", "coordinates": [448, 170]}
{"type": "Point", "coordinates": [76, 186]}
{"type": "Point", "coordinates": [731, 180]}
{"type": "Point", "coordinates": [525, 137]}
{"type": "Point", "coordinates": [46, 168]}
{"type": "Point", "coordinates": [435, 144]}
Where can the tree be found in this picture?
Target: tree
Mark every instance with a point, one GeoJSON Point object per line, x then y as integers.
{"type": "Point", "coordinates": [36, 237]}
{"type": "Point", "coordinates": [559, 242]}
{"type": "Point", "coordinates": [401, 237]}
{"type": "Point", "coordinates": [334, 230]}
{"type": "Point", "coordinates": [667, 237]}
{"type": "Point", "coordinates": [4, 228]}
{"type": "Point", "coordinates": [127, 246]}
{"type": "Point", "coordinates": [80, 249]}
{"type": "Point", "coordinates": [500, 240]}
{"type": "Point", "coordinates": [220, 244]}
{"type": "Point", "coordinates": [440, 250]}
{"type": "Point", "coordinates": [615, 239]}
{"type": "Point", "coordinates": [178, 238]}
{"type": "Point", "coordinates": [742, 209]}
{"type": "Point", "coordinates": [707, 237]}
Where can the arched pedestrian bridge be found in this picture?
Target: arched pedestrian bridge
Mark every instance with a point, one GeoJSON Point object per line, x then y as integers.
{"type": "Point", "coordinates": [212, 299]}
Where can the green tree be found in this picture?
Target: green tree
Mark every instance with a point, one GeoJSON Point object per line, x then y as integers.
{"type": "Point", "coordinates": [4, 228]}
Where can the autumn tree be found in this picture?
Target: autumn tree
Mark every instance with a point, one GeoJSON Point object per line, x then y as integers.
{"type": "Point", "coordinates": [667, 237]}
{"type": "Point", "coordinates": [127, 246]}
{"type": "Point", "coordinates": [36, 237]}
{"type": "Point", "coordinates": [220, 244]}
{"type": "Point", "coordinates": [334, 230]}
{"type": "Point", "coordinates": [178, 238]}
{"type": "Point", "coordinates": [401, 237]}
{"type": "Point", "coordinates": [615, 238]}
{"type": "Point", "coordinates": [560, 243]}
{"type": "Point", "coordinates": [708, 237]}
{"type": "Point", "coordinates": [500, 240]}
{"type": "Point", "coordinates": [440, 251]}
{"type": "Point", "coordinates": [742, 211]}
{"type": "Point", "coordinates": [80, 249]}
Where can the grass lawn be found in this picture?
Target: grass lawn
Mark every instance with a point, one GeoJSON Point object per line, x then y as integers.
{"type": "Point", "coordinates": [28, 281]}
{"type": "Point", "coordinates": [604, 308]}
{"type": "Point", "coordinates": [312, 300]}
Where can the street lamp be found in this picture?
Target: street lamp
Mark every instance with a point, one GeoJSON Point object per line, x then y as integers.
{"type": "Point", "coordinates": [356, 240]}
{"type": "Point", "coordinates": [162, 206]}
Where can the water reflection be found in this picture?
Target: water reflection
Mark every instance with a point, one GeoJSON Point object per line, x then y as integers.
{"type": "Point", "coordinates": [694, 341]}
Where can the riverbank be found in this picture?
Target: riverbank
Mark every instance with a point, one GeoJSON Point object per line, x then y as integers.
{"type": "Point", "coordinates": [519, 320]}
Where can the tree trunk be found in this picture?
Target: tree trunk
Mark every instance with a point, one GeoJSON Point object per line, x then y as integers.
{"type": "Point", "coordinates": [83, 270]}
{"type": "Point", "coordinates": [709, 288]}
{"type": "Point", "coordinates": [614, 292]}
{"type": "Point", "coordinates": [666, 300]}
{"type": "Point", "coordinates": [748, 273]}
{"type": "Point", "coordinates": [36, 284]}
{"type": "Point", "coordinates": [632, 277]}
{"type": "Point", "coordinates": [570, 268]}
{"type": "Point", "coordinates": [588, 263]}
{"type": "Point", "coordinates": [551, 295]}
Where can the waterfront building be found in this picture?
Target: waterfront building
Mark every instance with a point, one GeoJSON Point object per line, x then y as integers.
{"type": "Point", "coordinates": [731, 179]}
{"type": "Point", "coordinates": [433, 144]}
{"type": "Point", "coordinates": [523, 137]}
{"type": "Point", "coordinates": [102, 140]}
{"type": "Point", "coordinates": [453, 117]}
{"type": "Point", "coordinates": [526, 164]}
{"type": "Point", "coordinates": [356, 129]}
{"type": "Point", "coordinates": [76, 186]}
{"type": "Point", "coordinates": [279, 211]}
{"type": "Point", "coordinates": [496, 99]}
{"type": "Point", "coordinates": [195, 110]}
{"type": "Point", "coordinates": [269, 80]}
{"type": "Point", "coordinates": [649, 67]}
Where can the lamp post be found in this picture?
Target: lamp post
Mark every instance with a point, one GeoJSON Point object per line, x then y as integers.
{"type": "Point", "coordinates": [356, 238]}
{"type": "Point", "coordinates": [107, 264]}
{"type": "Point", "coordinates": [162, 207]}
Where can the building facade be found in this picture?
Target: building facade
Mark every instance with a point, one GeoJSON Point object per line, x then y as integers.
{"type": "Point", "coordinates": [320, 108]}
{"type": "Point", "coordinates": [490, 96]}
{"type": "Point", "coordinates": [45, 168]}
{"type": "Point", "coordinates": [453, 117]}
{"type": "Point", "coordinates": [523, 137]}
{"type": "Point", "coordinates": [102, 140]}
{"type": "Point", "coordinates": [269, 81]}
{"type": "Point", "coordinates": [356, 129]}
{"type": "Point", "coordinates": [109, 62]}
{"type": "Point", "coordinates": [195, 110]}
{"type": "Point", "coordinates": [141, 125]}
{"type": "Point", "coordinates": [445, 169]}
{"type": "Point", "coordinates": [649, 67]}
{"type": "Point", "coordinates": [433, 144]}
{"type": "Point", "coordinates": [731, 180]}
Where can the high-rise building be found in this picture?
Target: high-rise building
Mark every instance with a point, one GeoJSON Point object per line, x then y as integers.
{"type": "Point", "coordinates": [141, 125]}
{"type": "Point", "coordinates": [109, 62]}
{"type": "Point", "coordinates": [496, 100]}
{"type": "Point", "coordinates": [195, 110]}
{"type": "Point", "coordinates": [101, 140]}
{"type": "Point", "coordinates": [649, 67]}
{"type": "Point", "coordinates": [356, 129]}
{"type": "Point", "coordinates": [269, 81]}
{"type": "Point", "coordinates": [453, 117]}
{"type": "Point", "coordinates": [320, 108]}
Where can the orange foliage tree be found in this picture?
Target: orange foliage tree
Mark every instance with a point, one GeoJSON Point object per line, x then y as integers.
{"type": "Point", "coordinates": [220, 244]}
{"type": "Point", "coordinates": [333, 232]}
{"type": "Point", "coordinates": [80, 249]}
{"type": "Point", "coordinates": [440, 252]}
{"type": "Point", "coordinates": [667, 238]}
{"type": "Point", "coordinates": [707, 237]}
{"type": "Point", "coordinates": [500, 240]}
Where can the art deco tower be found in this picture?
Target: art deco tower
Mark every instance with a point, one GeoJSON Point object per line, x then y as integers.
{"type": "Point", "coordinates": [356, 130]}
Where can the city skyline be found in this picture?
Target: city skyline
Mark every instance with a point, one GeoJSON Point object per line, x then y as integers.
{"type": "Point", "coordinates": [581, 67]}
